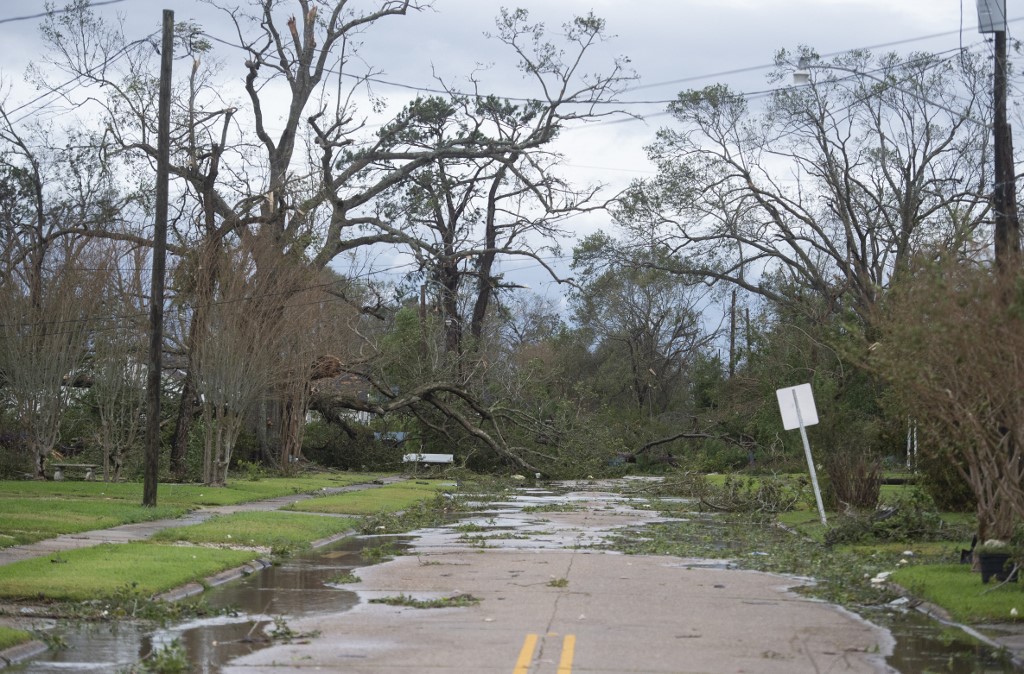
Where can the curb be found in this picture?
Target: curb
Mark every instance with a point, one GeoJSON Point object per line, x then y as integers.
{"type": "Point", "coordinates": [255, 566]}
{"type": "Point", "coordinates": [194, 588]}
{"type": "Point", "coordinates": [16, 654]}
{"type": "Point", "coordinates": [940, 615]}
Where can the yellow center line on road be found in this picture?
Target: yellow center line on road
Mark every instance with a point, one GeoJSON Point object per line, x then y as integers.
{"type": "Point", "coordinates": [526, 655]}
{"type": "Point", "coordinates": [568, 650]}
{"type": "Point", "coordinates": [530, 645]}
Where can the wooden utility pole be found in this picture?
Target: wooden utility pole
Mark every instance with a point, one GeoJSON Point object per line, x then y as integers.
{"type": "Point", "coordinates": [732, 335]}
{"type": "Point", "coordinates": [992, 19]}
{"type": "Point", "coordinates": [1004, 197]}
{"type": "Point", "coordinates": [156, 307]}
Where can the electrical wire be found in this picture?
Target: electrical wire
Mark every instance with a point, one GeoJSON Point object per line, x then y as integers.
{"type": "Point", "coordinates": [53, 12]}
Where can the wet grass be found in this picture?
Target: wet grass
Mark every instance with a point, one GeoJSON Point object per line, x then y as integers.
{"type": "Point", "coordinates": [36, 510]}
{"type": "Point", "coordinates": [275, 530]}
{"type": "Point", "coordinates": [457, 601]}
{"type": "Point", "coordinates": [563, 507]}
{"type": "Point", "coordinates": [388, 499]}
{"type": "Point", "coordinates": [346, 578]}
{"type": "Point", "coordinates": [104, 570]}
{"type": "Point", "coordinates": [960, 591]}
{"type": "Point", "coordinates": [27, 520]}
{"type": "Point", "coordinates": [11, 637]}
{"type": "Point", "coordinates": [754, 543]}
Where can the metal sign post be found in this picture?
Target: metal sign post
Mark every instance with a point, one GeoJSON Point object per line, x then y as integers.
{"type": "Point", "coordinates": [797, 406]}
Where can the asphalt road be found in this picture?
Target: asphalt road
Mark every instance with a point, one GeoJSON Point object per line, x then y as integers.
{"type": "Point", "coordinates": [549, 603]}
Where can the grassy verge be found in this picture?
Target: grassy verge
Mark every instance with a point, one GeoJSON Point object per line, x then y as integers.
{"type": "Point", "coordinates": [279, 531]}
{"type": "Point", "coordinates": [917, 546]}
{"type": "Point", "coordinates": [105, 570]}
{"type": "Point", "coordinates": [27, 520]}
{"type": "Point", "coordinates": [960, 591]}
{"type": "Point", "coordinates": [35, 510]}
{"type": "Point", "coordinates": [11, 637]}
{"type": "Point", "coordinates": [386, 499]}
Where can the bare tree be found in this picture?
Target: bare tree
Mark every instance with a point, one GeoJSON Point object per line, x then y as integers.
{"type": "Point", "coordinates": [313, 184]}
{"type": "Point", "coordinates": [117, 381]}
{"type": "Point", "coordinates": [645, 322]}
{"type": "Point", "coordinates": [832, 186]}
{"type": "Point", "coordinates": [255, 340]}
{"type": "Point", "coordinates": [951, 346]}
{"type": "Point", "coordinates": [45, 341]}
{"type": "Point", "coordinates": [52, 284]}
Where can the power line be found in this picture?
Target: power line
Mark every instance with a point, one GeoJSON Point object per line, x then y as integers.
{"type": "Point", "coordinates": [707, 76]}
{"type": "Point", "coordinates": [54, 12]}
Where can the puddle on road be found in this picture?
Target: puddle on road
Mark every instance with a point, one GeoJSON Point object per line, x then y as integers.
{"type": "Point", "coordinates": [299, 586]}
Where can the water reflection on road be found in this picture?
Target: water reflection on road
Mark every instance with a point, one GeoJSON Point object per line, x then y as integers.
{"type": "Point", "coordinates": [302, 585]}
{"type": "Point", "coordinates": [305, 585]}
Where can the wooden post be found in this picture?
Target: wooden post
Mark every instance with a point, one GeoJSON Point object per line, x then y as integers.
{"type": "Point", "coordinates": [156, 306]}
{"type": "Point", "coordinates": [1004, 194]}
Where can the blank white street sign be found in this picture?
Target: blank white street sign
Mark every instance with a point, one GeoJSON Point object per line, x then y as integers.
{"type": "Point", "coordinates": [797, 406]}
{"type": "Point", "coordinates": [787, 405]}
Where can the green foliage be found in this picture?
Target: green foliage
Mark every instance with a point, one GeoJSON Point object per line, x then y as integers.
{"type": "Point", "coordinates": [458, 601]}
{"type": "Point", "coordinates": [377, 554]}
{"type": "Point", "coordinates": [283, 632]}
{"type": "Point", "coordinates": [910, 518]}
{"type": "Point", "coordinates": [250, 470]}
{"type": "Point", "coordinates": [716, 456]}
{"type": "Point", "coordinates": [938, 476]}
{"type": "Point", "coordinates": [168, 659]}
{"type": "Point", "coordinates": [331, 446]}
{"type": "Point", "coordinates": [764, 494]}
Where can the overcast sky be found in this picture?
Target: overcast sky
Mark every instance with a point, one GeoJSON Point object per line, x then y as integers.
{"type": "Point", "coordinates": [672, 44]}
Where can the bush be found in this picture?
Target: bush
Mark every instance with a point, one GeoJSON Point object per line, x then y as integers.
{"type": "Point", "coordinates": [854, 480]}
{"type": "Point", "coordinates": [910, 518]}
{"type": "Point", "coordinates": [329, 445]}
{"type": "Point", "coordinates": [763, 494]}
{"type": "Point", "coordinates": [717, 456]}
{"type": "Point", "coordinates": [938, 477]}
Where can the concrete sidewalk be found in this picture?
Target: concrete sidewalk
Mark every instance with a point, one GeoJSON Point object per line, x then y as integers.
{"type": "Point", "coordinates": [140, 531]}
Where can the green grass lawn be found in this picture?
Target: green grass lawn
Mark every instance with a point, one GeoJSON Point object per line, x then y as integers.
{"type": "Point", "coordinates": [390, 498]}
{"type": "Point", "coordinates": [960, 591]}
{"type": "Point", "coordinates": [34, 519]}
{"type": "Point", "coordinates": [11, 637]}
{"type": "Point", "coordinates": [260, 529]}
{"type": "Point", "coordinates": [103, 570]}
{"type": "Point", "coordinates": [36, 510]}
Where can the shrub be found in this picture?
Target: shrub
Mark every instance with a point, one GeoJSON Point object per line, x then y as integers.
{"type": "Point", "coordinates": [910, 518]}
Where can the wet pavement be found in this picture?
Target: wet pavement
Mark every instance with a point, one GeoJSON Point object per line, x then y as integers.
{"type": "Point", "coordinates": [548, 602]}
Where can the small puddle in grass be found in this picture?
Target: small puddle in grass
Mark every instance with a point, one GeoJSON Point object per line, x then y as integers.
{"type": "Point", "coordinates": [299, 586]}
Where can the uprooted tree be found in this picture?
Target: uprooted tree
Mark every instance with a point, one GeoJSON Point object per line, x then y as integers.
{"type": "Point", "coordinates": [317, 183]}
